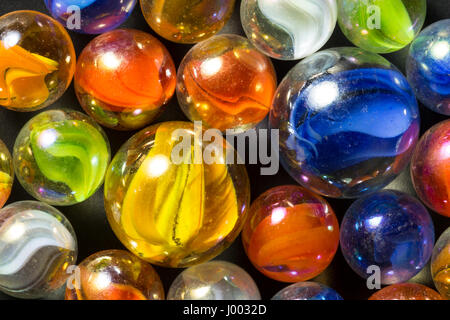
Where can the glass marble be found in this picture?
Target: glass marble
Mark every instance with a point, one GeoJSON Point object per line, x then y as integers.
{"type": "Point", "coordinates": [286, 29]}
{"type": "Point", "coordinates": [37, 245]}
{"type": "Point", "coordinates": [428, 66]}
{"type": "Point", "coordinates": [123, 78]}
{"type": "Point", "coordinates": [37, 60]}
{"type": "Point", "coordinates": [114, 275]}
{"type": "Point", "coordinates": [90, 16]}
{"type": "Point", "coordinates": [348, 122]}
{"type": "Point", "coordinates": [307, 291]}
{"type": "Point", "coordinates": [291, 234]}
{"type": "Point", "coordinates": [430, 168]}
{"type": "Point", "coordinates": [406, 291]}
{"type": "Point", "coordinates": [381, 26]}
{"type": "Point", "coordinates": [215, 280]}
{"type": "Point", "coordinates": [390, 230]}
{"type": "Point", "coordinates": [226, 83]}
{"type": "Point", "coordinates": [6, 173]}
{"type": "Point", "coordinates": [440, 264]}
{"type": "Point", "coordinates": [168, 204]}
{"type": "Point", "coordinates": [187, 21]}
{"type": "Point", "coordinates": [61, 156]}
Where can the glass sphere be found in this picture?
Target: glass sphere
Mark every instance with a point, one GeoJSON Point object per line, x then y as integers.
{"type": "Point", "coordinates": [381, 26]}
{"type": "Point", "coordinates": [115, 275]}
{"type": "Point", "coordinates": [215, 280]}
{"type": "Point", "coordinates": [348, 122]}
{"type": "Point", "coordinates": [428, 66]}
{"type": "Point", "coordinates": [37, 246]}
{"type": "Point", "coordinates": [123, 78]}
{"type": "Point", "coordinates": [173, 198]}
{"type": "Point", "coordinates": [61, 156]}
{"type": "Point", "coordinates": [307, 291]}
{"type": "Point", "coordinates": [389, 232]}
{"type": "Point", "coordinates": [440, 264]}
{"type": "Point", "coordinates": [226, 83]}
{"type": "Point", "coordinates": [282, 218]}
{"type": "Point", "coordinates": [37, 60]}
{"type": "Point", "coordinates": [406, 291]}
{"type": "Point", "coordinates": [6, 173]}
{"type": "Point", "coordinates": [430, 169]}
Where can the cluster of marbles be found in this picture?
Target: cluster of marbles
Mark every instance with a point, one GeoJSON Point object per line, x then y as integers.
{"type": "Point", "coordinates": [114, 275]}
{"type": "Point", "coordinates": [381, 26]}
{"type": "Point", "coordinates": [226, 83]}
{"type": "Point", "coordinates": [215, 280]}
{"type": "Point", "coordinates": [389, 230]}
{"type": "Point", "coordinates": [430, 168]}
{"type": "Point", "coordinates": [123, 77]}
{"type": "Point", "coordinates": [440, 264]}
{"type": "Point", "coordinates": [37, 60]}
{"type": "Point", "coordinates": [187, 21]}
{"type": "Point", "coordinates": [286, 29]}
{"type": "Point", "coordinates": [348, 122]}
{"type": "Point", "coordinates": [291, 234]}
{"type": "Point", "coordinates": [406, 291]}
{"type": "Point", "coordinates": [61, 156]}
{"type": "Point", "coordinates": [37, 246]}
{"type": "Point", "coordinates": [428, 66]}
{"type": "Point", "coordinates": [6, 173]}
{"type": "Point", "coordinates": [307, 291]}
{"type": "Point", "coordinates": [90, 16]}
{"type": "Point", "coordinates": [172, 199]}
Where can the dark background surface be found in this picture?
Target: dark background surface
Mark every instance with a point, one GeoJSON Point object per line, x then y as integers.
{"type": "Point", "coordinates": [89, 219]}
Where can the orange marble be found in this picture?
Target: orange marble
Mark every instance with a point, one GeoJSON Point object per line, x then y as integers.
{"type": "Point", "coordinates": [406, 291]}
{"type": "Point", "coordinates": [291, 234]}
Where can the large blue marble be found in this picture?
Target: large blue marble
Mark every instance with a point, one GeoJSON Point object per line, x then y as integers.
{"type": "Point", "coordinates": [307, 291]}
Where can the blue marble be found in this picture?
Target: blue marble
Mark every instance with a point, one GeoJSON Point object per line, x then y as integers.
{"type": "Point", "coordinates": [96, 16]}
{"type": "Point", "coordinates": [307, 291]}
{"type": "Point", "coordinates": [348, 122]}
{"type": "Point", "coordinates": [428, 66]}
{"type": "Point", "coordinates": [388, 229]}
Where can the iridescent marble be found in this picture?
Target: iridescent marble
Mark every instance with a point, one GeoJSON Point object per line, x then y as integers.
{"type": "Point", "coordinates": [440, 264]}
{"type": "Point", "coordinates": [428, 66]}
{"type": "Point", "coordinates": [37, 245]}
{"type": "Point", "coordinates": [406, 291]}
{"type": "Point", "coordinates": [430, 168]}
{"type": "Point", "coordinates": [390, 230]}
{"type": "Point", "coordinates": [307, 291]}
{"type": "Point", "coordinates": [348, 122]}
{"type": "Point", "coordinates": [215, 280]}
{"type": "Point", "coordinates": [288, 29]}
{"type": "Point", "coordinates": [91, 16]}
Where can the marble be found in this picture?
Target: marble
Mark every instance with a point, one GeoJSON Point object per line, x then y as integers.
{"type": "Point", "coordinates": [61, 156]}
{"type": "Point", "coordinates": [430, 168]}
{"type": "Point", "coordinates": [389, 230]}
{"type": "Point", "coordinates": [215, 280]}
{"type": "Point", "coordinates": [124, 78]}
{"type": "Point", "coordinates": [6, 173]}
{"type": "Point", "coordinates": [348, 122]}
{"type": "Point", "coordinates": [440, 264]}
{"type": "Point", "coordinates": [381, 26]}
{"type": "Point", "coordinates": [406, 291]}
{"type": "Point", "coordinates": [428, 67]}
{"type": "Point", "coordinates": [307, 291]}
{"type": "Point", "coordinates": [37, 60]}
{"type": "Point", "coordinates": [282, 218]}
{"type": "Point", "coordinates": [187, 21]}
{"type": "Point", "coordinates": [226, 83]}
{"type": "Point", "coordinates": [114, 275]}
{"type": "Point", "coordinates": [172, 197]}
{"type": "Point", "coordinates": [37, 246]}
{"type": "Point", "coordinates": [287, 29]}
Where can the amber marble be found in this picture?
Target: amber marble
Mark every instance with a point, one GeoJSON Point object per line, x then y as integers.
{"type": "Point", "coordinates": [291, 234]}
{"type": "Point", "coordinates": [226, 83]}
{"type": "Point", "coordinates": [37, 60]}
{"type": "Point", "coordinates": [406, 291]}
{"type": "Point", "coordinates": [114, 275]}
{"type": "Point", "coordinates": [123, 78]}
{"type": "Point", "coordinates": [187, 21]}
{"type": "Point", "coordinates": [440, 264]}
{"type": "Point", "coordinates": [172, 198]}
